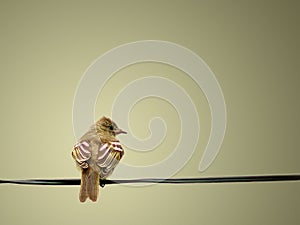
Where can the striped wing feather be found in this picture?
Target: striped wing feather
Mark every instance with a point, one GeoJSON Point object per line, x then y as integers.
{"type": "Point", "coordinates": [109, 155]}
{"type": "Point", "coordinates": [82, 153]}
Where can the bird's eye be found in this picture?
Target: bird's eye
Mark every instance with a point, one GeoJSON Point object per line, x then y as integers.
{"type": "Point", "coordinates": [111, 127]}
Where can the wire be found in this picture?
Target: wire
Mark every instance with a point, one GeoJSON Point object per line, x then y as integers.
{"type": "Point", "coordinates": [229, 179]}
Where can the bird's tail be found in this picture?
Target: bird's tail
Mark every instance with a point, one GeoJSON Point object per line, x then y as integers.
{"type": "Point", "coordinates": [89, 187]}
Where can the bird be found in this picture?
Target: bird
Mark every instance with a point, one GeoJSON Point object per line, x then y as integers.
{"type": "Point", "coordinates": [97, 153]}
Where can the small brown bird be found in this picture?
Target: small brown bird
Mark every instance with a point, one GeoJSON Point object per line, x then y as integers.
{"type": "Point", "coordinates": [97, 153]}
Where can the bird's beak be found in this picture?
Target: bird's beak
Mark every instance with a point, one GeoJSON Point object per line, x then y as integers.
{"type": "Point", "coordinates": [119, 131]}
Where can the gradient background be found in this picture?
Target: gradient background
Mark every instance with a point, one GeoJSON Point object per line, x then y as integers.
{"type": "Point", "coordinates": [252, 47]}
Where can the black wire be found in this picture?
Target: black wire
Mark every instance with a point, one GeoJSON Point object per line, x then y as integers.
{"type": "Point", "coordinates": [230, 179]}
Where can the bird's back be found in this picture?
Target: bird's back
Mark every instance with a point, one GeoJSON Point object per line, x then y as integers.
{"type": "Point", "coordinates": [101, 153]}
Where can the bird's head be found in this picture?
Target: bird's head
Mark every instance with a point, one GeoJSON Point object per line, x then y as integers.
{"type": "Point", "coordinates": [108, 127]}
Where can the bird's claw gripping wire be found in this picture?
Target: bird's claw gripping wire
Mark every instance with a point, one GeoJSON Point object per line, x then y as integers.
{"type": "Point", "coordinates": [102, 183]}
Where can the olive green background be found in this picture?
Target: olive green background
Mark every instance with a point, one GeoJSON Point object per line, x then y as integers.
{"type": "Point", "coordinates": [252, 47]}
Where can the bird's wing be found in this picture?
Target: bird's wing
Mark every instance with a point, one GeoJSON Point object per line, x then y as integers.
{"type": "Point", "coordinates": [82, 153]}
{"type": "Point", "coordinates": [109, 155]}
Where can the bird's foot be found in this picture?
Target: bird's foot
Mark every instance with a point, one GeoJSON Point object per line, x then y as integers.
{"type": "Point", "coordinates": [102, 183]}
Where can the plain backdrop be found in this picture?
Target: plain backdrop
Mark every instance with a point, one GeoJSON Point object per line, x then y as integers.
{"type": "Point", "coordinates": [251, 46]}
